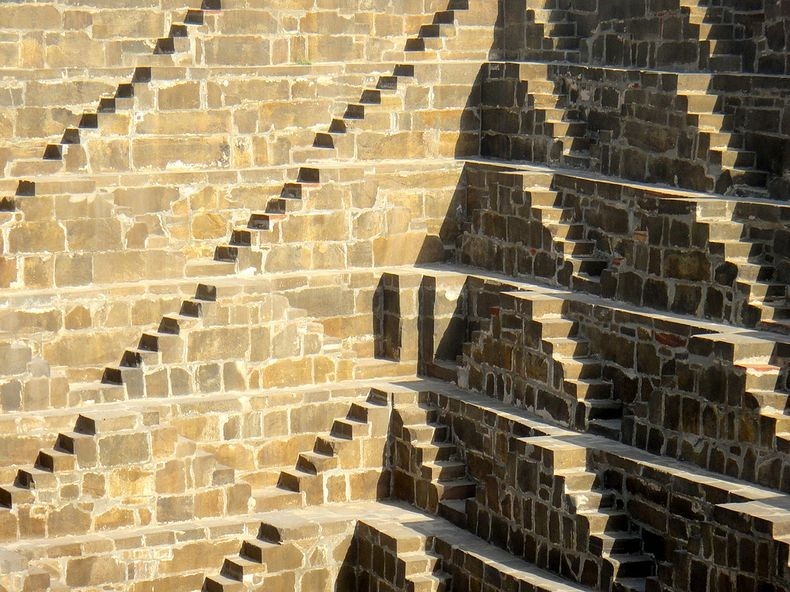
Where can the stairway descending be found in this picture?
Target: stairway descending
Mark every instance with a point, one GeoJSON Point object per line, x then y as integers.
{"type": "Point", "coordinates": [345, 456]}
{"type": "Point", "coordinates": [720, 36]}
{"type": "Point", "coordinates": [579, 266]}
{"type": "Point", "coordinates": [551, 34]}
{"type": "Point", "coordinates": [68, 154]}
{"type": "Point", "coordinates": [732, 167]}
{"type": "Point", "coordinates": [572, 381]}
{"type": "Point", "coordinates": [70, 484]}
{"type": "Point", "coordinates": [556, 118]}
{"type": "Point", "coordinates": [338, 143]}
{"type": "Point", "coordinates": [429, 471]}
{"type": "Point", "coordinates": [602, 524]}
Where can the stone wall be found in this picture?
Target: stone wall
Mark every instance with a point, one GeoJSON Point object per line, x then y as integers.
{"type": "Point", "coordinates": [642, 125]}
{"type": "Point", "coordinates": [680, 517]}
{"type": "Point", "coordinates": [719, 259]}
{"type": "Point", "coordinates": [685, 392]}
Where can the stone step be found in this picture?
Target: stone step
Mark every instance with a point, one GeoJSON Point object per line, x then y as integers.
{"type": "Point", "coordinates": [557, 328]}
{"type": "Point", "coordinates": [770, 399]}
{"type": "Point", "coordinates": [82, 446]}
{"type": "Point", "coordinates": [732, 249]}
{"type": "Point", "coordinates": [549, 214]}
{"type": "Point", "coordinates": [454, 489]}
{"type": "Point", "coordinates": [349, 428]}
{"type": "Point", "coordinates": [417, 414]}
{"type": "Point", "coordinates": [732, 158]}
{"type": "Point", "coordinates": [744, 176]}
{"type": "Point", "coordinates": [775, 312]}
{"type": "Point", "coordinates": [315, 462]}
{"type": "Point", "coordinates": [629, 566]}
{"type": "Point", "coordinates": [565, 346]}
{"type": "Point", "coordinates": [566, 129]}
{"type": "Point", "coordinates": [366, 411]}
{"type": "Point", "coordinates": [54, 460]}
{"type": "Point", "coordinates": [35, 478]}
{"type": "Point", "coordinates": [574, 247]}
{"type": "Point", "coordinates": [440, 451]}
{"type": "Point", "coordinates": [540, 306]}
{"type": "Point", "coordinates": [540, 100]}
{"type": "Point", "coordinates": [588, 388]}
{"type": "Point", "coordinates": [444, 470]}
{"type": "Point", "coordinates": [605, 520]}
{"type": "Point", "coordinates": [566, 231]}
{"type": "Point", "coordinates": [602, 409]}
{"type": "Point", "coordinates": [15, 495]}
{"type": "Point", "coordinates": [608, 428]}
{"type": "Point", "coordinates": [293, 479]}
{"type": "Point", "coordinates": [720, 230]}
{"type": "Point", "coordinates": [547, 15]}
{"type": "Point", "coordinates": [543, 88]}
{"type": "Point", "coordinates": [710, 122]}
{"type": "Point", "coordinates": [237, 568]}
{"type": "Point", "coordinates": [722, 140]}
{"type": "Point", "coordinates": [576, 159]}
{"type": "Point", "coordinates": [220, 583]}
{"type": "Point", "coordinates": [453, 510]}
{"type": "Point", "coordinates": [731, 47]}
{"type": "Point", "coordinates": [417, 562]}
{"type": "Point", "coordinates": [435, 582]}
{"type": "Point", "coordinates": [609, 543]}
{"type": "Point", "coordinates": [577, 481]}
{"type": "Point", "coordinates": [426, 433]}
{"type": "Point", "coordinates": [592, 266]}
{"type": "Point", "coordinates": [575, 368]}
{"type": "Point", "coordinates": [765, 291]}
{"type": "Point", "coordinates": [590, 500]}
{"type": "Point", "coordinates": [543, 198]}
{"type": "Point", "coordinates": [700, 103]}
{"type": "Point", "coordinates": [753, 272]}
{"type": "Point", "coordinates": [716, 31]}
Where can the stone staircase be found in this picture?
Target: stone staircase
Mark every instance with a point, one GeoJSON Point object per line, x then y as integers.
{"type": "Point", "coordinates": [560, 250]}
{"type": "Point", "coordinates": [721, 35]}
{"type": "Point", "coordinates": [344, 145]}
{"type": "Point", "coordinates": [428, 470]}
{"type": "Point", "coordinates": [759, 388]}
{"type": "Point", "coordinates": [78, 486]}
{"type": "Point", "coordinates": [345, 460]}
{"type": "Point", "coordinates": [550, 34]}
{"type": "Point", "coordinates": [571, 384]}
{"type": "Point", "coordinates": [197, 427]}
{"type": "Point", "coordinates": [557, 128]}
{"type": "Point", "coordinates": [418, 568]}
{"type": "Point", "coordinates": [599, 515]}
{"type": "Point", "coordinates": [733, 168]}
{"type": "Point", "coordinates": [69, 154]}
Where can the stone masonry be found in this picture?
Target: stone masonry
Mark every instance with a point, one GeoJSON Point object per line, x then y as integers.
{"type": "Point", "coordinates": [395, 296]}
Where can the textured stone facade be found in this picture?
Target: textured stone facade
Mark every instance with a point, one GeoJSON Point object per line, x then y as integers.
{"type": "Point", "coordinates": [396, 295]}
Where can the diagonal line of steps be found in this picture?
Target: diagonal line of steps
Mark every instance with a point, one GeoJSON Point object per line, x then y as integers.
{"type": "Point", "coordinates": [68, 153]}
